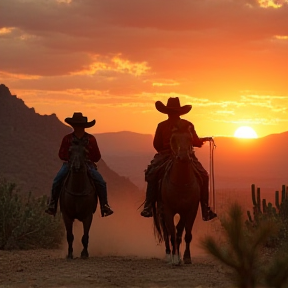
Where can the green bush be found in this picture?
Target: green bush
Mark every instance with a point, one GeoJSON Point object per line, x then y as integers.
{"type": "Point", "coordinates": [23, 223]}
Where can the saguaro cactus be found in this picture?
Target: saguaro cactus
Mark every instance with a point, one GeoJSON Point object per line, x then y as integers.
{"type": "Point", "coordinates": [260, 207]}
{"type": "Point", "coordinates": [263, 211]}
{"type": "Point", "coordinates": [281, 208]}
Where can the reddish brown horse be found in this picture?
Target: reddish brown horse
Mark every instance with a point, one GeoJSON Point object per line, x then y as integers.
{"type": "Point", "coordinates": [180, 194]}
{"type": "Point", "coordinates": [77, 198]}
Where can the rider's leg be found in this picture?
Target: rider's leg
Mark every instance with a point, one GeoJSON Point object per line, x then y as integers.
{"type": "Point", "coordinates": [151, 192]}
{"type": "Point", "coordinates": [56, 188]}
{"type": "Point", "coordinates": [207, 213]}
{"type": "Point", "coordinates": [101, 189]}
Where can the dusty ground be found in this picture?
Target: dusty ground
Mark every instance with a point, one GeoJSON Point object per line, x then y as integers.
{"type": "Point", "coordinates": [123, 253]}
{"type": "Point", "coordinates": [46, 268]}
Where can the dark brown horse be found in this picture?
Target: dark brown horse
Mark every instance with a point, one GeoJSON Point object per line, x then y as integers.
{"type": "Point", "coordinates": [180, 194]}
{"type": "Point", "coordinates": [77, 198]}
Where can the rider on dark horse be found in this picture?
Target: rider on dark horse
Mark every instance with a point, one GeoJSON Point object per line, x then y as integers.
{"type": "Point", "coordinates": [79, 136]}
{"type": "Point", "coordinates": [161, 143]}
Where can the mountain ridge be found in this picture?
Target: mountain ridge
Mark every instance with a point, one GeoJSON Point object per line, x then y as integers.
{"type": "Point", "coordinates": [30, 145]}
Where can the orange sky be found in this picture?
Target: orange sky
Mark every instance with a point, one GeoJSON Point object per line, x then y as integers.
{"type": "Point", "coordinates": [113, 59]}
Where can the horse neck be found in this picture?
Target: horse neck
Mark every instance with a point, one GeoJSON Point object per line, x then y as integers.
{"type": "Point", "coordinates": [182, 173]}
{"type": "Point", "coordinates": [76, 180]}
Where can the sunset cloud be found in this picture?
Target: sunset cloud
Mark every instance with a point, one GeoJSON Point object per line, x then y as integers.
{"type": "Point", "coordinates": [272, 3]}
{"type": "Point", "coordinates": [115, 64]}
{"type": "Point", "coordinates": [125, 55]}
{"type": "Point", "coordinates": [6, 30]}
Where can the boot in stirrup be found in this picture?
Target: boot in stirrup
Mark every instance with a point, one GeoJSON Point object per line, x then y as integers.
{"type": "Point", "coordinates": [106, 210]}
{"type": "Point", "coordinates": [208, 214]}
{"type": "Point", "coordinates": [52, 208]}
{"type": "Point", "coordinates": [147, 211]}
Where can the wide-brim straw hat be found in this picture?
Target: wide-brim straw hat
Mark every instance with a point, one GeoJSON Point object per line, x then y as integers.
{"type": "Point", "coordinates": [79, 120]}
{"type": "Point", "coordinates": [173, 107]}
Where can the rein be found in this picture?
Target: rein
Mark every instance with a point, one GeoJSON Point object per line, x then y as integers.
{"type": "Point", "coordinates": [212, 146]}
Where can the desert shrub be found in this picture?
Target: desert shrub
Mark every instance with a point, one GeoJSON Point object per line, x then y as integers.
{"type": "Point", "coordinates": [242, 252]}
{"type": "Point", "coordinates": [276, 274]}
{"type": "Point", "coordinates": [23, 223]}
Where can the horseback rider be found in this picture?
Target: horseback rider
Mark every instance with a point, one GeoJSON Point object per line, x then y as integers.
{"type": "Point", "coordinates": [161, 143]}
{"type": "Point", "coordinates": [78, 122]}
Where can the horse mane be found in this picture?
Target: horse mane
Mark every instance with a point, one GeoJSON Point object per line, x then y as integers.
{"type": "Point", "coordinates": [77, 155]}
{"type": "Point", "coordinates": [181, 126]}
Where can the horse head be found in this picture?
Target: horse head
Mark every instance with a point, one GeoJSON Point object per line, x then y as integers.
{"type": "Point", "coordinates": [77, 156]}
{"type": "Point", "coordinates": [181, 141]}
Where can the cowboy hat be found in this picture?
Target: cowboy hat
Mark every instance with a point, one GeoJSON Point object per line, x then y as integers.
{"type": "Point", "coordinates": [173, 107]}
{"type": "Point", "coordinates": [79, 120]}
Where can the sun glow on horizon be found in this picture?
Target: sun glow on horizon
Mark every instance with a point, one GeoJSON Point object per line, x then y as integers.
{"type": "Point", "coordinates": [245, 132]}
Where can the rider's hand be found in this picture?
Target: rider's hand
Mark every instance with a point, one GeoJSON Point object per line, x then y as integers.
{"type": "Point", "coordinates": [204, 139]}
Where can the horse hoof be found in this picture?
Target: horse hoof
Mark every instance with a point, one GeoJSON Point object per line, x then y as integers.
{"type": "Point", "coordinates": [187, 261]}
{"type": "Point", "coordinates": [167, 258]}
{"type": "Point", "coordinates": [84, 255]}
{"type": "Point", "coordinates": [69, 257]}
{"type": "Point", "coordinates": [176, 263]}
{"type": "Point", "coordinates": [176, 260]}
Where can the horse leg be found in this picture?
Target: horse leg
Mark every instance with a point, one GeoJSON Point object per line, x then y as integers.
{"type": "Point", "coordinates": [179, 232]}
{"type": "Point", "coordinates": [69, 236]}
{"type": "Point", "coordinates": [85, 238]}
{"type": "Point", "coordinates": [169, 220]}
{"type": "Point", "coordinates": [166, 240]}
{"type": "Point", "coordinates": [187, 254]}
{"type": "Point", "coordinates": [188, 238]}
{"type": "Point", "coordinates": [167, 247]}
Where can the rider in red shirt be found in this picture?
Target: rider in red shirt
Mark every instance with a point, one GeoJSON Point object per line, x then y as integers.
{"type": "Point", "coordinates": [161, 144]}
{"type": "Point", "coordinates": [79, 123]}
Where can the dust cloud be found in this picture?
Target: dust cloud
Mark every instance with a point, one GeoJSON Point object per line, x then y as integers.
{"type": "Point", "coordinates": [127, 233]}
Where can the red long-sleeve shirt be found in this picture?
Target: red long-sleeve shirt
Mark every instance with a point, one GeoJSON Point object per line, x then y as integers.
{"type": "Point", "coordinates": [163, 134]}
{"type": "Point", "coordinates": [93, 155]}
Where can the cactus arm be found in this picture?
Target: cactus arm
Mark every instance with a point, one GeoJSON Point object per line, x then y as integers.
{"type": "Point", "coordinates": [253, 194]}
{"type": "Point", "coordinates": [259, 200]}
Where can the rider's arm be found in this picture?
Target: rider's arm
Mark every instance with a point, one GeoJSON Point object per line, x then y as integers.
{"type": "Point", "coordinates": [158, 141]}
{"type": "Point", "coordinates": [64, 148]}
{"type": "Point", "coordinates": [196, 142]}
{"type": "Point", "coordinates": [94, 153]}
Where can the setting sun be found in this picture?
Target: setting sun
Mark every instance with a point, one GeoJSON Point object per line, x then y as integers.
{"type": "Point", "coordinates": [245, 132]}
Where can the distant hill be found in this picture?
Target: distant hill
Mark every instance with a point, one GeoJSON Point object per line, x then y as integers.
{"type": "Point", "coordinates": [128, 153]}
{"type": "Point", "coordinates": [29, 148]}
{"type": "Point", "coordinates": [127, 143]}
{"type": "Point", "coordinates": [237, 162]}
{"type": "Point", "coordinates": [241, 162]}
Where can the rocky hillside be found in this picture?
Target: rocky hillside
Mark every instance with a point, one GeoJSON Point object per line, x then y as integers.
{"type": "Point", "coordinates": [29, 148]}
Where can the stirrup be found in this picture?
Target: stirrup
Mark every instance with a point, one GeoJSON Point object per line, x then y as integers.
{"type": "Point", "coordinates": [106, 211]}
{"type": "Point", "coordinates": [51, 211]}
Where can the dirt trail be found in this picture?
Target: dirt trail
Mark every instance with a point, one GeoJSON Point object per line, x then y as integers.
{"type": "Point", "coordinates": [46, 268]}
{"type": "Point", "coordinates": [123, 253]}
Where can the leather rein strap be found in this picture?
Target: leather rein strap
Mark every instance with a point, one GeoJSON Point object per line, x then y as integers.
{"type": "Point", "coordinates": [212, 181]}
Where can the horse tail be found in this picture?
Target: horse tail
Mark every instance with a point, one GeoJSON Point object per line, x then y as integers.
{"type": "Point", "coordinates": [160, 231]}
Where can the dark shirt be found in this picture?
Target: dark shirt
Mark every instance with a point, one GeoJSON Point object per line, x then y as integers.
{"type": "Point", "coordinates": [164, 131]}
{"type": "Point", "coordinates": [91, 145]}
